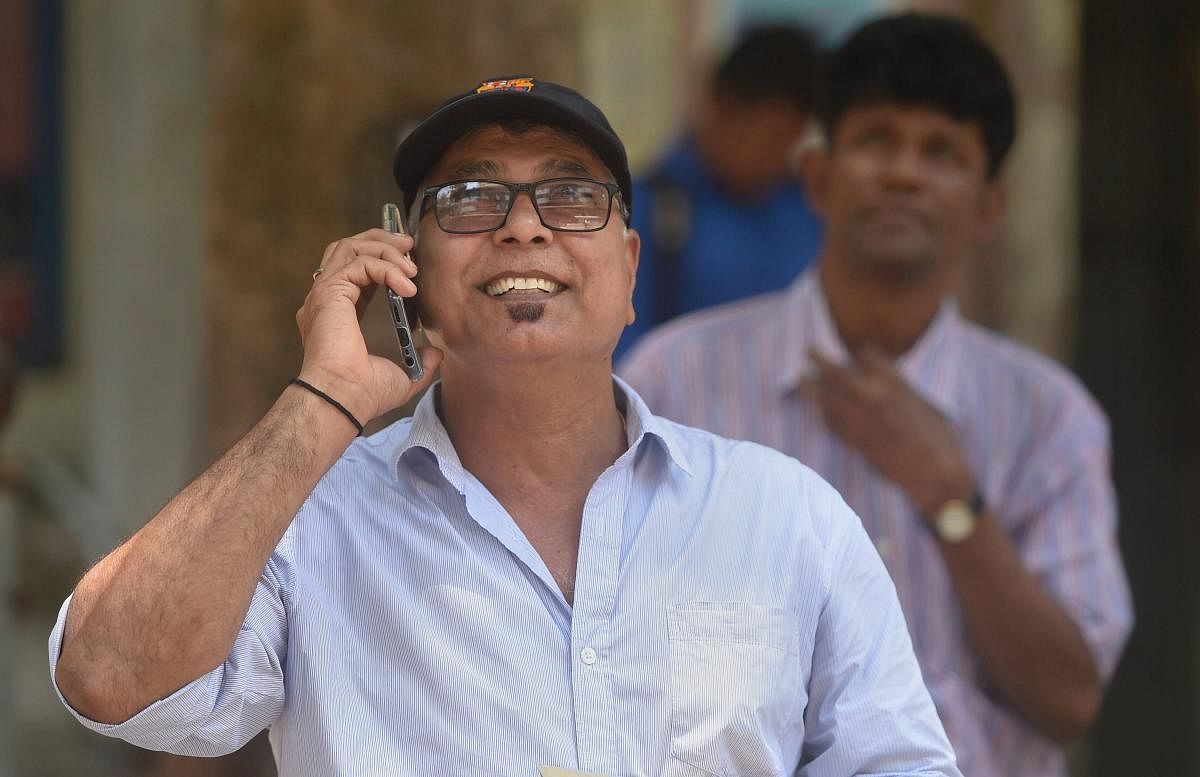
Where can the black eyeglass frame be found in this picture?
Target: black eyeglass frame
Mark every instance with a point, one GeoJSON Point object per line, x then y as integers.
{"type": "Point", "coordinates": [515, 189]}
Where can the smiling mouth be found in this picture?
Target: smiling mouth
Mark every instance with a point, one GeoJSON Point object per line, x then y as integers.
{"type": "Point", "coordinates": [508, 285]}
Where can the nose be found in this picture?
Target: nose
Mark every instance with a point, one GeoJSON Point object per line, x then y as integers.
{"type": "Point", "coordinates": [523, 226]}
{"type": "Point", "coordinates": [904, 168]}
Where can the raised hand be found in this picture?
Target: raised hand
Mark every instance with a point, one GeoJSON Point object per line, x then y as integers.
{"type": "Point", "coordinates": [871, 408]}
{"type": "Point", "coordinates": [335, 353]}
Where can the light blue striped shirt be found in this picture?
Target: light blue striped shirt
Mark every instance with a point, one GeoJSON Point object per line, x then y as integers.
{"type": "Point", "coordinates": [730, 618]}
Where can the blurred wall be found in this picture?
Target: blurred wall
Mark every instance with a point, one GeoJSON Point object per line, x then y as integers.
{"type": "Point", "coordinates": [136, 103]}
{"type": "Point", "coordinates": [115, 425]}
{"type": "Point", "coordinates": [103, 439]}
{"type": "Point", "coordinates": [1139, 351]}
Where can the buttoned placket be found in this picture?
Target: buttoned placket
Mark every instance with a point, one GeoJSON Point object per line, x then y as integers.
{"type": "Point", "coordinates": [596, 582]}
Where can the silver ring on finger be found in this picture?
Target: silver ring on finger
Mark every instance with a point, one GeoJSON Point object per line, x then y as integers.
{"type": "Point", "coordinates": [317, 272]}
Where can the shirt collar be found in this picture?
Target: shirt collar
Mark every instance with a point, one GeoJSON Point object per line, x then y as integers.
{"type": "Point", "coordinates": [640, 422]}
{"type": "Point", "coordinates": [427, 432]}
{"type": "Point", "coordinates": [930, 366]}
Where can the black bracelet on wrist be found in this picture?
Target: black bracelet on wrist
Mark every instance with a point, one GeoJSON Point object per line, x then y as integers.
{"type": "Point", "coordinates": [310, 387]}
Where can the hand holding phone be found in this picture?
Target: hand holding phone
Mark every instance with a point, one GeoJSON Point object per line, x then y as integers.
{"type": "Point", "coordinates": [403, 310]}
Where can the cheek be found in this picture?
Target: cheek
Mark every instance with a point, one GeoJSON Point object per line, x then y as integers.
{"type": "Point", "coordinates": [609, 295]}
{"type": "Point", "coordinates": [962, 210]}
{"type": "Point", "coordinates": [843, 196]}
{"type": "Point", "coordinates": [436, 295]}
{"type": "Point", "coordinates": [857, 171]}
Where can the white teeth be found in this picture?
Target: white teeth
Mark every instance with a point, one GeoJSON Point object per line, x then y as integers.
{"type": "Point", "coordinates": [504, 285]}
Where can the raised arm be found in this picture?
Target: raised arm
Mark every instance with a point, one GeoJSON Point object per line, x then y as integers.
{"type": "Point", "coordinates": [165, 607]}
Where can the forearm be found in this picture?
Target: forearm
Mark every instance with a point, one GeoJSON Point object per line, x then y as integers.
{"type": "Point", "coordinates": [1028, 645]}
{"type": "Point", "coordinates": [166, 606]}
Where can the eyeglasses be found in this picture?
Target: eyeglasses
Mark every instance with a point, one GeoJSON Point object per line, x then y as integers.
{"type": "Point", "coordinates": [562, 204]}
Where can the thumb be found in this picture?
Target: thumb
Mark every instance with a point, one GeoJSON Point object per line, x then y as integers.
{"type": "Point", "coordinates": [395, 386]}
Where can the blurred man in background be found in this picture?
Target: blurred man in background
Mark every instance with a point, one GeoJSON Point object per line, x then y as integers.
{"type": "Point", "coordinates": [980, 469]}
{"type": "Point", "coordinates": [723, 215]}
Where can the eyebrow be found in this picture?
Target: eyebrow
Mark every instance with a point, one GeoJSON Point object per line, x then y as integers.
{"type": "Point", "coordinates": [487, 168]}
{"type": "Point", "coordinates": [564, 166]}
{"type": "Point", "coordinates": [477, 168]}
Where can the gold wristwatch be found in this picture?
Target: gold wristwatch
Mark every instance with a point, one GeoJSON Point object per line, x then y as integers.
{"type": "Point", "coordinates": [957, 519]}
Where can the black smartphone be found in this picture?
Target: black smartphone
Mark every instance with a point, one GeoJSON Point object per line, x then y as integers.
{"type": "Point", "coordinates": [403, 309]}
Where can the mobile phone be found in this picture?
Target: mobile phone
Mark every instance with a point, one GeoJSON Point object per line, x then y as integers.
{"type": "Point", "coordinates": [403, 309]}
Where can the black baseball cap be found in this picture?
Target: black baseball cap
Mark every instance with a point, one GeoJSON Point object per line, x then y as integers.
{"type": "Point", "coordinates": [500, 99]}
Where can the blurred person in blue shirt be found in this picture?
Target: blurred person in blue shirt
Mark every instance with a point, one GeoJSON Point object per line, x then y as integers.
{"type": "Point", "coordinates": [724, 215]}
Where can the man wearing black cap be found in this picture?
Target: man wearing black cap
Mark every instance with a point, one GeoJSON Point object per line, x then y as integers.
{"type": "Point", "coordinates": [533, 572]}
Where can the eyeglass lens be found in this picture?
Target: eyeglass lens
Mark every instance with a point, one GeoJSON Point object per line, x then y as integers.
{"type": "Point", "coordinates": [566, 204]}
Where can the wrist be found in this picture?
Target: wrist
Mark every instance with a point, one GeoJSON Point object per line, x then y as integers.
{"type": "Point", "coordinates": [952, 480]}
{"type": "Point", "coordinates": [348, 393]}
{"type": "Point", "coordinates": [957, 519]}
{"type": "Point", "coordinates": [314, 428]}
{"type": "Point", "coordinates": [338, 406]}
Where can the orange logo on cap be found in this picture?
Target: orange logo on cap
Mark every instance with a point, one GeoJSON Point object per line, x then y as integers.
{"type": "Point", "coordinates": [506, 85]}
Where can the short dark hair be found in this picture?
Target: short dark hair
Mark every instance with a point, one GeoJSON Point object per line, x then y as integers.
{"type": "Point", "coordinates": [927, 60]}
{"type": "Point", "coordinates": [776, 61]}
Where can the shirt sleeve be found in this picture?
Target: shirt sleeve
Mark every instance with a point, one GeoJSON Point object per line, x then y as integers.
{"type": "Point", "coordinates": [218, 712]}
{"type": "Point", "coordinates": [1064, 525]}
{"type": "Point", "coordinates": [869, 711]}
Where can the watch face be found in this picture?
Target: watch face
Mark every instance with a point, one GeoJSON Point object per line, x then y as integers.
{"type": "Point", "coordinates": [955, 522]}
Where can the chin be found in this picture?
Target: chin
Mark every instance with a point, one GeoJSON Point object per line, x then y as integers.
{"type": "Point", "coordinates": [526, 312]}
{"type": "Point", "coordinates": [898, 266]}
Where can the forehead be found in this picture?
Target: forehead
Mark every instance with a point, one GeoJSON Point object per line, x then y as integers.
{"type": "Point", "coordinates": [493, 151]}
{"type": "Point", "coordinates": [913, 118]}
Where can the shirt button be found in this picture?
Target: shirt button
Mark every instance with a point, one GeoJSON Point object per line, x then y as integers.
{"type": "Point", "coordinates": [587, 656]}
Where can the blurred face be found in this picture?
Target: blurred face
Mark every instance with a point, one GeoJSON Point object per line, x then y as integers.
{"type": "Point", "coordinates": [524, 292]}
{"type": "Point", "coordinates": [904, 190]}
{"type": "Point", "coordinates": [754, 142]}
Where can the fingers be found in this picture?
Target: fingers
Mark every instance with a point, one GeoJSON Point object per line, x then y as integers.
{"type": "Point", "coordinates": [401, 242]}
{"type": "Point", "coordinates": [847, 397]}
{"type": "Point", "coordinates": [374, 243]}
{"type": "Point", "coordinates": [837, 381]}
{"type": "Point", "coordinates": [362, 274]}
{"type": "Point", "coordinates": [837, 411]}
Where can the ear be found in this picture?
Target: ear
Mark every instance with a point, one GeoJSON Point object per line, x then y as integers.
{"type": "Point", "coordinates": [814, 169]}
{"type": "Point", "coordinates": [992, 207]}
{"type": "Point", "coordinates": [633, 248]}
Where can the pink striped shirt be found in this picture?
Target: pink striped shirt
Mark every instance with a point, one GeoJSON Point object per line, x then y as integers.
{"type": "Point", "coordinates": [1036, 440]}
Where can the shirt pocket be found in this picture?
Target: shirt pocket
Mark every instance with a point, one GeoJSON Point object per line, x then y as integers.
{"type": "Point", "coordinates": [734, 677]}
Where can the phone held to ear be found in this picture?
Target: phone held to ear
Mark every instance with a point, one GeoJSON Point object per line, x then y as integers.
{"type": "Point", "coordinates": [403, 309]}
